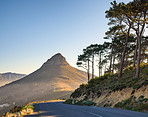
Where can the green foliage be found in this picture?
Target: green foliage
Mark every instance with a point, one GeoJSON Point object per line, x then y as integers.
{"type": "Point", "coordinates": [89, 103]}
{"type": "Point", "coordinates": [68, 101]}
{"type": "Point", "coordinates": [132, 104]}
{"type": "Point", "coordinates": [28, 106]}
{"type": "Point", "coordinates": [80, 102]}
{"type": "Point", "coordinates": [107, 105]}
{"type": "Point", "coordinates": [15, 109]}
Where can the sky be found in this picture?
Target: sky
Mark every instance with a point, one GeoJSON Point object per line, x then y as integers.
{"type": "Point", "coordinates": [31, 31]}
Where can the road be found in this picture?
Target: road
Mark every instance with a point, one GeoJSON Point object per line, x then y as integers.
{"type": "Point", "coordinates": [58, 109]}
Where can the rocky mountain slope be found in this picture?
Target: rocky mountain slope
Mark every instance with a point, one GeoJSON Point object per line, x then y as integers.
{"type": "Point", "coordinates": [127, 92]}
{"type": "Point", "coordinates": [6, 78]}
{"type": "Point", "coordinates": [55, 79]}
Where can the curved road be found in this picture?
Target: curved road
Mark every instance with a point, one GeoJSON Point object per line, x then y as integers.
{"type": "Point", "coordinates": [58, 109]}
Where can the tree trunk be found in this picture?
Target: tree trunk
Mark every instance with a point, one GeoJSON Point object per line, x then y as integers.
{"type": "Point", "coordinates": [135, 54]}
{"type": "Point", "coordinates": [93, 66]}
{"type": "Point", "coordinates": [123, 54]}
{"type": "Point", "coordinates": [139, 35]}
{"type": "Point", "coordinates": [113, 64]}
{"type": "Point", "coordinates": [122, 60]}
{"type": "Point", "coordinates": [100, 67]}
{"type": "Point", "coordinates": [105, 69]}
{"type": "Point", "coordinates": [110, 66]}
{"type": "Point", "coordinates": [101, 71]}
{"type": "Point", "coordinates": [126, 65]}
{"type": "Point", "coordinates": [88, 71]}
{"type": "Point", "coordinates": [138, 59]}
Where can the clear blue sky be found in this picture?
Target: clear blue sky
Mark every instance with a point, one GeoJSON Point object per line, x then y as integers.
{"type": "Point", "coordinates": [31, 31]}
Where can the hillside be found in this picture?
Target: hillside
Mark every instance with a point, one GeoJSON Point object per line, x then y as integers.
{"type": "Point", "coordinates": [8, 77]}
{"type": "Point", "coordinates": [127, 92]}
{"type": "Point", "coordinates": [1, 78]}
{"type": "Point", "coordinates": [55, 79]}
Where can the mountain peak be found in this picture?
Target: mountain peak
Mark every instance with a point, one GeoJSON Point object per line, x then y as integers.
{"type": "Point", "coordinates": [58, 55]}
{"type": "Point", "coordinates": [57, 59]}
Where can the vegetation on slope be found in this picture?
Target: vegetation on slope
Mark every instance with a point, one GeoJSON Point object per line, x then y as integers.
{"type": "Point", "coordinates": [132, 104]}
{"type": "Point", "coordinates": [125, 51]}
{"type": "Point", "coordinates": [112, 83]}
{"type": "Point", "coordinates": [20, 111]}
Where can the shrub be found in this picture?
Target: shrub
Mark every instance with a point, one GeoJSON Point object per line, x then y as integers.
{"type": "Point", "coordinates": [131, 104]}
{"type": "Point", "coordinates": [15, 109]}
{"type": "Point", "coordinates": [68, 101]}
{"type": "Point", "coordinates": [107, 105]}
{"type": "Point", "coordinates": [28, 106]}
{"type": "Point", "coordinates": [118, 105]}
{"type": "Point", "coordinates": [89, 103]}
{"type": "Point", "coordinates": [143, 107]}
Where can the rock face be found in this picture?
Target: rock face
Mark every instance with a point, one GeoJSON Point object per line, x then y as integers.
{"type": "Point", "coordinates": [55, 79]}
{"type": "Point", "coordinates": [117, 96]}
{"type": "Point", "coordinates": [6, 78]}
{"type": "Point", "coordinates": [111, 98]}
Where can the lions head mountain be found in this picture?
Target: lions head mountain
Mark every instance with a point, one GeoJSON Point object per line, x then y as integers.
{"type": "Point", "coordinates": [55, 79]}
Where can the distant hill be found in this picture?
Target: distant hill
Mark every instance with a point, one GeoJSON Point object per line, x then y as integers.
{"type": "Point", "coordinates": [6, 78]}
{"type": "Point", "coordinates": [1, 78]}
{"type": "Point", "coordinates": [10, 76]}
{"type": "Point", "coordinates": [55, 79]}
{"type": "Point", "coordinates": [127, 92]}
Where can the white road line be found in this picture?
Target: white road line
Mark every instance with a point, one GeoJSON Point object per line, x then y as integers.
{"type": "Point", "coordinates": [91, 113]}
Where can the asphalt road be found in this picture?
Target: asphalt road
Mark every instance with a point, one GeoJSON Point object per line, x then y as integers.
{"type": "Point", "coordinates": [58, 109]}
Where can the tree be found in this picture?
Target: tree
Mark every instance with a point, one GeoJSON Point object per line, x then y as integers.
{"type": "Point", "coordinates": [132, 16]}
{"type": "Point", "coordinates": [116, 15]}
{"type": "Point", "coordinates": [90, 50]}
{"type": "Point", "coordinates": [112, 34]}
{"type": "Point", "coordinates": [139, 18]}
{"type": "Point", "coordinates": [83, 61]}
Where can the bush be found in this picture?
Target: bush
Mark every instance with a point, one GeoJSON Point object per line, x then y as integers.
{"type": "Point", "coordinates": [107, 105]}
{"type": "Point", "coordinates": [68, 101]}
{"type": "Point", "coordinates": [15, 109]}
{"type": "Point", "coordinates": [89, 103]}
{"type": "Point", "coordinates": [28, 106]}
{"type": "Point", "coordinates": [143, 107]}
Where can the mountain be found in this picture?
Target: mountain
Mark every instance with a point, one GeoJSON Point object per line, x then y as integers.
{"type": "Point", "coordinates": [1, 78]}
{"type": "Point", "coordinates": [55, 79]}
{"type": "Point", "coordinates": [6, 78]}
{"type": "Point", "coordinates": [11, 76]}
